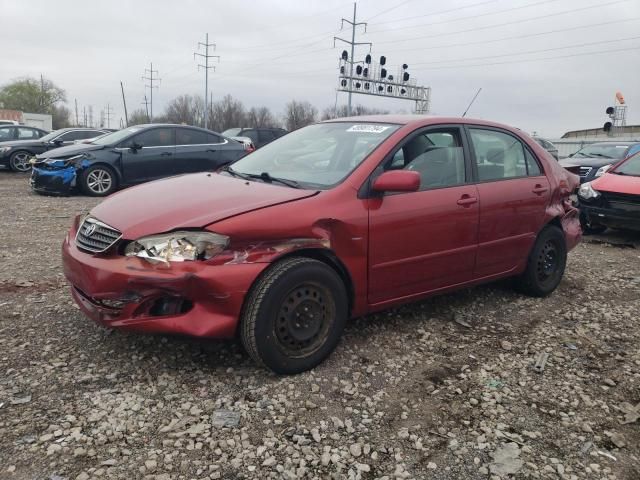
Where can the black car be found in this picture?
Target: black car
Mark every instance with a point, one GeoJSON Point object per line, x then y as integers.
{"type": "Point", "coordinates": [593, 160]}
{"type": "Point", "coordinates": [548, 146]}
{"type": "Point", "coordinates": [20, 132]}
{"type": "Point", "coordinates": [17, 154]}
{"type": "Point", "coordinates": [259, 136]}
{"type": "Point", "coordinates": [129, 156]}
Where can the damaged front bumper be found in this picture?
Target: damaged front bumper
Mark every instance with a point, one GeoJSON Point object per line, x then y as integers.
{"type": "Point", "coordinates": [187, 298]}
{"type": "Point", "coordinates": [53, 179]}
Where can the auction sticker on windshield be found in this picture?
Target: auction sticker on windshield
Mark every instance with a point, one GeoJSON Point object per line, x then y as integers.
{"type": "Point", "coordinates": [368, 128]}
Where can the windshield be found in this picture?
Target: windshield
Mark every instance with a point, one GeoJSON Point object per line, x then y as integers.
{"type": "Point", "coordinates": [317, 156]}
{"type": "Point", "coordinates": [115, 137]}
{"type": "Point", "coordinates": [603, 151]}
{"type": "Point", "coordinates": [630, 167]}
{"type": "Point", "coordinates": [232, 132]}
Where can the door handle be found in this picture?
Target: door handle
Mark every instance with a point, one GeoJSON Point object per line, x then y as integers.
{"type": "Point", "coordinates": [467, 200]}
{"type": "Point", "coordinates": [212, 151]}
{"type": "Point", "coordinates": [166, 154]}
{"type": "Point", "coordinates": [539, 189]}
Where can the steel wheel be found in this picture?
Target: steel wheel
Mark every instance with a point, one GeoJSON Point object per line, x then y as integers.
{"type": "Point", "coordinates": [99, 181]}
{"type": "Point", "coordinates": [304, 319]}
{"type": "Point", "coordinates": [20, 162]}
{"type": "Point", "coordinates": [547, 262]}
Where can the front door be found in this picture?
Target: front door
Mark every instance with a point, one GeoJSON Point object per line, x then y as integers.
{"type": "Point", "coordinates": [149, 155]}
{"type": "Point", "coordinates": [513, 194]}
{"type": "Point", "coordinates": [424, 241]}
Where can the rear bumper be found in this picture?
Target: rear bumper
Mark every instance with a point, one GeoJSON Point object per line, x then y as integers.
{"type": "Point", "coordinates": [189, 298]}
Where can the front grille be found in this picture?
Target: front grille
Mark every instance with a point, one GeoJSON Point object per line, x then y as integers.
{"type": "Point", "coordinates": [585, 171]}
{"type": "Point", "coordinates": [95, 236]}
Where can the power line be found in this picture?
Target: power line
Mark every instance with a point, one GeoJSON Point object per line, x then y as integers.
{"type": "Point", "coordinates": [392, 8]}
{"type": "Point", "coordinates": [206, 67]}
{"type": "Point", "coordinates": [353, 44]}
{"type": "Point", "coordinates": [413, 17]}
{"type": "Point", "coordinates": [515, 37]}
{"type": "Point", "coordinates": [512, 22]}
{"type": "Point", "coordinates": [448, 67]}
{"type": "Point", "coordinates": [150, 71]}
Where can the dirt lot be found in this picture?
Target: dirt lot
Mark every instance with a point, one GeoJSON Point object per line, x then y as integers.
{"type": "Point", "coordinates": [441, 389]}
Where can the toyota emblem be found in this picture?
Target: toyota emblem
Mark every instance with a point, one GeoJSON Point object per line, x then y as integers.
{"type": "Point", "coordinates": [88, 231]}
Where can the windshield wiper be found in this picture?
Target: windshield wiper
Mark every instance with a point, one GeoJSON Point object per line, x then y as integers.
{"type": "Point", "coordinates": [600, 155]}
{"type": "Point", "coordinates": [266, 177]}
{"type": "Point", "coordinates": [233, 173]}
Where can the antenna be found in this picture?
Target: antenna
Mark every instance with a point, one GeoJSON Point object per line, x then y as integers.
{"type": "Point", "coordinates": [472, 100]}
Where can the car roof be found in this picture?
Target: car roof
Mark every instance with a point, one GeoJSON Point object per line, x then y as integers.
{"type": "Point", "coordinates": [613, 142]}
{"type": "Point", "coordinates": [416, 120]}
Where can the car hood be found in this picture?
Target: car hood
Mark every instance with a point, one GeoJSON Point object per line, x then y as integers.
{"type": "Point", "coordinates": [69, 151]}
{"type": "Point", "coordinates": [587, 161]}
{"type": "Point", "coordinates": [610, 182]}
{"type": "Point", "coordinates": [21, 143]}
{"type": "Point", "coordinates": [188, 201]}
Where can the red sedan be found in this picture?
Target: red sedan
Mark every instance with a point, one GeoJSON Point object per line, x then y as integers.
{"type": "Point", "coordinates": [335, 220]}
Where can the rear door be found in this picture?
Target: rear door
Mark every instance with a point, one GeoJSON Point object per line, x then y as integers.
{"type": "Point", "coordinates": [199, 151]}
{"type": "Point", "coordinates": [424, 241]}
{"type": "Point", "coordinates": [155, 157]}
{"type": "Point", "coordinates": [514, 193]}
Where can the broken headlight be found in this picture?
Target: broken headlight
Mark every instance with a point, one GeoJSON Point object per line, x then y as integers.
{"type": "Point", "coordinates": [587, 192]}
{"type": "Point", "coordinates": [177, 246]}
{"type": "Point", "coordinates": [63, 162]}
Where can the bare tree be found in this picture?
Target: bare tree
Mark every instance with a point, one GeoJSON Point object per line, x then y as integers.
{"type": "Point", "coordinates": [188, 109]}
{"type": "Point", "coordinates": [261, 117]}
{"type": "Point", "coordinates": [299, 114]}
{"type": "Point", "coordinates": [227, 113]}
{"type": "Point", "coordinates": [333, 112]}
{"type": "Point", "coordinates": [138, 117]}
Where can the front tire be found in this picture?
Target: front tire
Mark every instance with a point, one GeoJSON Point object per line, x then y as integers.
{"type": "Point", "coordinates": [294, 315]}
{"type": "Point", "coordinates": [546, 263]}
{"type": "Point", "coordinates": [98, 181]}
{"type": "Point", "coordinates": [19, 162]}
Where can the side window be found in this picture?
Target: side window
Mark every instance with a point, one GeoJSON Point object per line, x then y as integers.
{"type": "Point", "coordinates": [6, 134]}
{"type": "Point", "coordinates": [91, 134]}
{"type": "Point", "coordinates": [156, 137]}
{"type": "Point", "coordinates": [266, 136]}
{"type": "Point", "coordinates": [70, 136]}
{"type": "Point", "coordinates": [27, 133]}
{"type": "Point", "coordinates": [252, 134]}
{"type": "Point", "coordinates": [437, 155]}
{"type": "Point", "coordinates": [212, 138]}
{"type": "Point", "coordinates": [189, 136]}
{"type": "Point", "coordinates": [533, 169]}
{"type": "Point", "coordinates": [498, 155]}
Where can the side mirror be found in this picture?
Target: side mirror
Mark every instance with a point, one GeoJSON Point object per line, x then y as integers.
{"type": "Point", "coordinates": [571, 154]}
{"type": "Point", "coordinates": [397, 181]}
{"type": "Point", "coordinates": [135, 147]}
{"type": "Point", "coordinates": [57, 141]}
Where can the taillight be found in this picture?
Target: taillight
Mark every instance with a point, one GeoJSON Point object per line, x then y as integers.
{"type": "Point", "coordinates": [249, 148]}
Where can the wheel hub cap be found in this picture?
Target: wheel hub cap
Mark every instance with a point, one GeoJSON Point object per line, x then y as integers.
{"type": "Point", "coordinates": [99, 181]}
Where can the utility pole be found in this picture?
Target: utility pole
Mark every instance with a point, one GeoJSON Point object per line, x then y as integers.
{"type": "Point", "coordinates": [146, 107]}
{"type": "Point", "coordinates": [353, 43]}
{"type": "Point", "coordinates": [107, 113]}
{"type": "Point", "coordinates": [206, 67]}
{"type": "Point", "coordinates": [84, 116]}
{"type": "Point", "coordinates": [90, 116]}
{"type": "Point", "coordinates": [150, 71]}
{"type": "Point", "coordinates": [124, 102]}
{"type": "Point", "coordinates": [77, 122]}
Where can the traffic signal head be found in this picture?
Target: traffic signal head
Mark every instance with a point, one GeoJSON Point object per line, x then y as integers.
{"type": "Point", "coordinates": [609, 110]}
{"type": "Point", "coordinates": [607, 127]}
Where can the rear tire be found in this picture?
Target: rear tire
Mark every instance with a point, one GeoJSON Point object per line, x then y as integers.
{"type": "Point", "coordinates": [546, 263]}
{"type": "Point", "coordinates": [19, 161]}
{"type": "Point", "coordinates": [294, 315]}
{"type": "Point", "coordinates": [98, 181]}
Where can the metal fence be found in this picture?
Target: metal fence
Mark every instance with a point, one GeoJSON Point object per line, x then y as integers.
{"type": "Point", "coordinates": [567, 146]}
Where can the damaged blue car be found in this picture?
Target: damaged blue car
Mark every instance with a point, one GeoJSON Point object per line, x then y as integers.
{"type": "Point", "coordinates": [131, 156]}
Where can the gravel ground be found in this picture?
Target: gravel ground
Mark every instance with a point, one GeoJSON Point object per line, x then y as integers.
{"type": "Point", "coordinates": [442, 389]}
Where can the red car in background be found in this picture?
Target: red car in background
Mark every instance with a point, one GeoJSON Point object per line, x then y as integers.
{"type": "Point", "coordinates": [613, 199]}
{"type": "Point", "coordinates": [334, 220]}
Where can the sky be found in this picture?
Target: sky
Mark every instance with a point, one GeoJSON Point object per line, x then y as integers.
{"type": "Point", "coordinates": [545, 66]}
